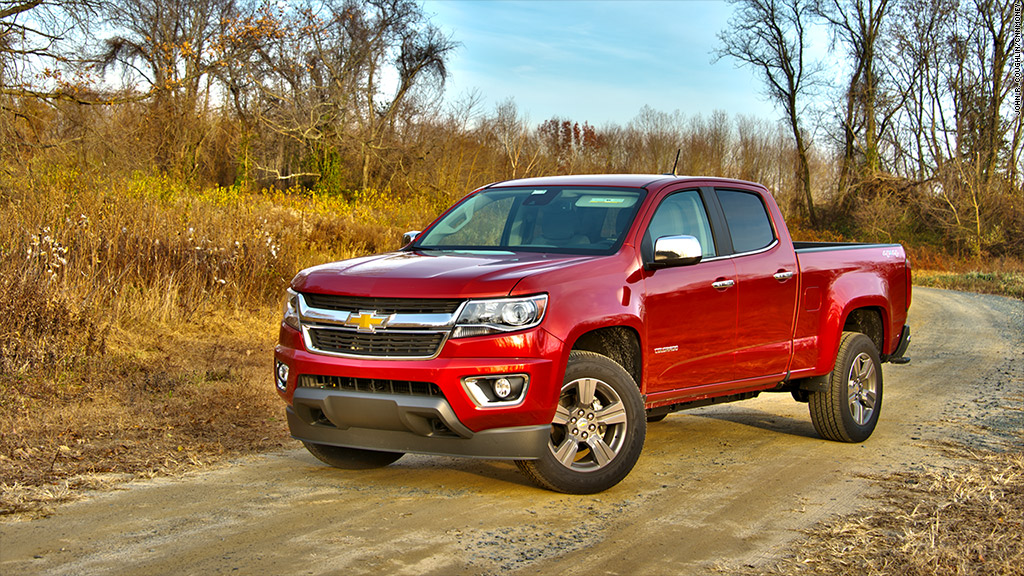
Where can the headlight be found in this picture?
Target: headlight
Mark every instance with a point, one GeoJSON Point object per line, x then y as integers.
{"type": "Point", "coordinates": [291, 309]}
{"type": "Point", "coordinates": [481, 317]}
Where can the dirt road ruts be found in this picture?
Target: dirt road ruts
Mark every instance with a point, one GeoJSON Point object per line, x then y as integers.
{"type": "Point", "coordinates": [718, 486]}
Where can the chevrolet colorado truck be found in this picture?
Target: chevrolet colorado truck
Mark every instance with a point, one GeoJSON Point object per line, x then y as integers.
{"type": "Point", "coordinates": [549, 320]}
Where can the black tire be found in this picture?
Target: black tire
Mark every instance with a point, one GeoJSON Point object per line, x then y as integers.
{"type": "Point", "coordinates": [594, 456]}
{"type": "Point", "coordinates": [351, 458]}
{"type": "Point", "coordinates": [847, 409]}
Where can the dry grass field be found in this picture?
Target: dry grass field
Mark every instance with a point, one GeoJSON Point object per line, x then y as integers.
{"type": "Point", "coordinates": [139, 317]}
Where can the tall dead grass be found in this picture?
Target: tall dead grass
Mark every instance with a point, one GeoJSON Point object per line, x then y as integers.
{"type": "Point", "coordinates": [138, 316]}
{"type": "Point", "coordinates": [79, 255]}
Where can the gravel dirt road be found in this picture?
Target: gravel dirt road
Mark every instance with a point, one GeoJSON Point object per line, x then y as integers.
{"type": "Point", "coordinates": [716, 487]}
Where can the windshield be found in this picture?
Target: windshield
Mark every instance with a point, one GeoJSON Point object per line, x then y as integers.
{"type": "Point", "coordinates": [574, 220]}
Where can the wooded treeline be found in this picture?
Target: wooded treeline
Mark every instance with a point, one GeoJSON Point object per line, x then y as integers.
{"type": "Point", "coordinates": [920, 141]}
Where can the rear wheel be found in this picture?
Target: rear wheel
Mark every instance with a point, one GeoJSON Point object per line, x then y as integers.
{"type": "Point", "coordinates": [598, 430]}
{"type": "Point", "coordinates": [351, 458]}
{"type": "Point", "coordinates": [847, 409]}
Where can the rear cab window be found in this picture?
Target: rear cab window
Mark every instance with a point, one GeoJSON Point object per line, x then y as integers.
{"type": "Point", "coordinates": [749, 225]}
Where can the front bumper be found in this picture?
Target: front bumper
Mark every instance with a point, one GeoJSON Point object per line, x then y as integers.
{"type": "Point", "coordinates": [404, 424]}
{"type": "Point", "coordinates": [449, 422]}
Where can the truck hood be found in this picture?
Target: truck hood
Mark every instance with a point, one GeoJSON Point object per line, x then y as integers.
{"type": "Point", "coordinates": [430, 274]}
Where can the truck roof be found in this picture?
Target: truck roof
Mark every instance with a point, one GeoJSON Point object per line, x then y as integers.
{"type": "Point", "coordinates": [619, 180]}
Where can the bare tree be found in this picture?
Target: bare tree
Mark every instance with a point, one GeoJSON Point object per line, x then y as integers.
{"type": "Point", "coordinates": [38, 41]}
{"type": "Point", "coordinates": [859, 26]}
{"type": "Point", "coordinates": [912, 52]}
{"type": "Point", "coordinates": [652, 140]}
{"type": "Point", "coordinates": [756, 151]}
{"type": "Point", "coordinates": [568, 144]}
{"type": "Point", "coordinates": [166, 52]}
{"type": "Point", "coordinates": [513, 134]}
{"type": "Point", "coordinates": [706, 145]}
{"type": "Point", "coordinates": [771, 37]}
{"type": "Point", "coordinates": [40, 66]}
{"type": "Point", "coordinates": [335, 82]}
{"type": "Point", "coordinates": [958, 130]}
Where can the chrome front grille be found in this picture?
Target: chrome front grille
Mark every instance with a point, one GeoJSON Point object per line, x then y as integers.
{"type": "Point", "coordinates": [376, 328]}
{"type": "Point", "coordinates": [384, 344]}
{"type": "Point", "coordinates": [370, 385]}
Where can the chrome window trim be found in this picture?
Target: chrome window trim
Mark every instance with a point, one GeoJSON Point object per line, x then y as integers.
{"type": "Point", "coordinates": [774, 243]}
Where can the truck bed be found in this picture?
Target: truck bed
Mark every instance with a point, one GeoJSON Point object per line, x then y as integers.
{"type": "Point", "coordinates": [837, 277]}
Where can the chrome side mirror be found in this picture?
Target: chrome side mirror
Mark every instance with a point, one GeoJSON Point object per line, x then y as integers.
{"type": "Point", "coordinates": [410, 237]}
{"type": "Point", "coordinates": [676, 251]}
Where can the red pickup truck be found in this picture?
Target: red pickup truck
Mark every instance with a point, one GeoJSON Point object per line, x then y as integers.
{"type": "Point", "coordinates": [548, 320]}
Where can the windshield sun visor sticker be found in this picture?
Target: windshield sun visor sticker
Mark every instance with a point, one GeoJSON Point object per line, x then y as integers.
{"type": "Point", "coordinates": [605, 202]}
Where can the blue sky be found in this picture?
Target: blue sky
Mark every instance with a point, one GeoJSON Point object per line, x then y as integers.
{"type": "Point", "coordinates": [596, 61]}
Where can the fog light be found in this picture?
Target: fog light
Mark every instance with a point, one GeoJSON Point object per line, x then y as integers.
{"type": "Point", "coordinates": [499, 390]}
{"type": "Point", "coordinates": [502, 388]}
{"type": "Point", "coordinates": [282, 376]}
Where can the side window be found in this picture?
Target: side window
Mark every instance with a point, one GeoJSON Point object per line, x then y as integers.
{"type": "Point", "coordinates": [748, 221]}
{"type": "Point", "coordinates": [683, 214]}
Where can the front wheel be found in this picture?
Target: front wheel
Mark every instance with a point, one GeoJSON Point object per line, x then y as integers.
{"type": "Point", "coordinates": [847, 409]}
{"type": "Point", "coordinates": [598, 430]}
{"type": "Point", "coordinates": [351, 458]}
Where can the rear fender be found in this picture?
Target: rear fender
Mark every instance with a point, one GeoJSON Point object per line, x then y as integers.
{"type": "Point", "coordinates": [849, 293]}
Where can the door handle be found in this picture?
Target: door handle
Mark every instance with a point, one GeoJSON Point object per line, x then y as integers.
{"type": "Point", "coordinates": [723, 284]}
{"type": "Point", "coordinates": [783, 275]}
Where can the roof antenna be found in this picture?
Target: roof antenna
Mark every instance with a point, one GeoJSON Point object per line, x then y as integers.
{"type": "Point", "coordinates": [676, 163]}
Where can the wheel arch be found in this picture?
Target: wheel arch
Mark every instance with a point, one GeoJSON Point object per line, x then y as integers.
{"type": "Point", "coordinates": [620, 343]}
{"type": "Point", "coordinates": [870, 321]}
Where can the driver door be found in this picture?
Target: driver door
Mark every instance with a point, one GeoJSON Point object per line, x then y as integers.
{"type": "Point", "coordinates": [690, 311]}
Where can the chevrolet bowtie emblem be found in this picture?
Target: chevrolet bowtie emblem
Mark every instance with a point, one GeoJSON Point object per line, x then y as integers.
{"type": "Point", "coordinates": [367, 320]}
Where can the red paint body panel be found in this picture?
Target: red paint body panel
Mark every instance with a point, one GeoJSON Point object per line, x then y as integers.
{"type": "Point", "coordinates": [767, 306]}
{"type": "Point", "coordinates": [679, 356]}
{"type": "Point", "coordinates": [696, 341]}
{"type": "Point", "coordinates": [428, 275]}
{"type": "Point", "coordinates": [841, 281]}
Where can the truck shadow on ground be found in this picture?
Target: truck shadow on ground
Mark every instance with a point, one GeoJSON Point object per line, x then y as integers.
{"type": "Point", "coordinates": [420, 471]}
{"type": "Point", "coordinates": [747, 417]}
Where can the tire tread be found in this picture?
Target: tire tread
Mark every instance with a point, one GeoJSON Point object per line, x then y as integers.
{"type": "Point", "coordinates": [602, 480]}
{"type": "Point", "coordinates": [826, 406]}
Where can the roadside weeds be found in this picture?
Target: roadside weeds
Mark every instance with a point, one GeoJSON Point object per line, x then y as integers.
{"type": "Point", "coordinates": [1003, 283]}
{"type": "Point", "coordinates": [159, 403]}
{"type": "Point", "coordinates": [964, 521]}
